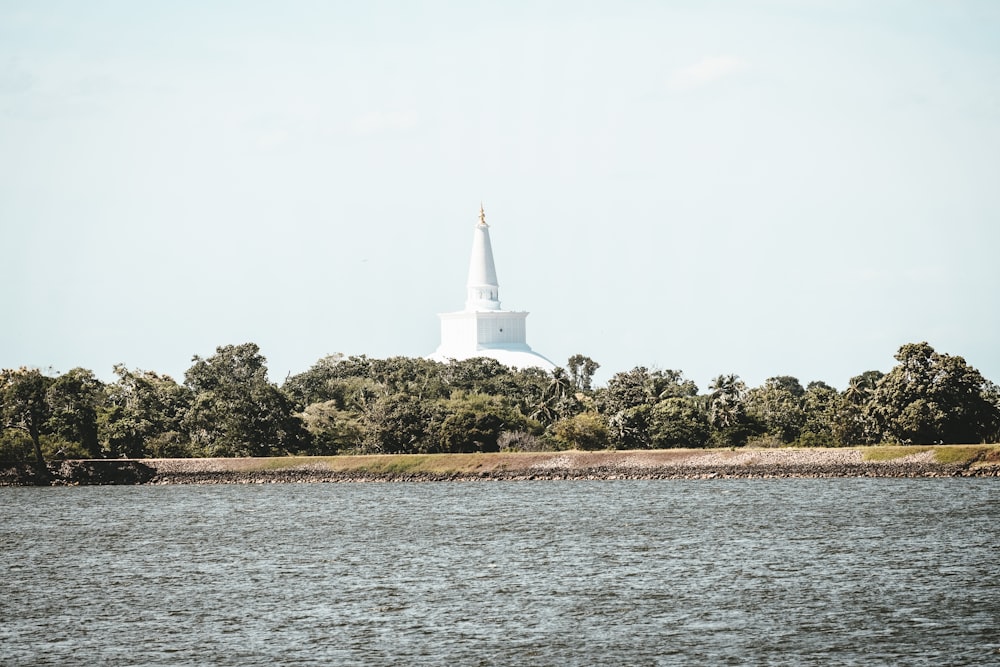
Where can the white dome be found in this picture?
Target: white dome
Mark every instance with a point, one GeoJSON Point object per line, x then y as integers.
{"type": "Point", "coordinates": [484, 329]}
{"type": "Point", "coordinates": [516, 358]}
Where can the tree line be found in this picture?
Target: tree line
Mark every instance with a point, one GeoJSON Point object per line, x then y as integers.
{"type": "Point", "coordinates": [226, 406]}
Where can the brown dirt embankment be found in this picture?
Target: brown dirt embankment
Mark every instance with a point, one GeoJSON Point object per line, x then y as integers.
{"type": "Point", "coordinates": [918, 461]}
{"type": "Point", "coordinates": [605, 465]}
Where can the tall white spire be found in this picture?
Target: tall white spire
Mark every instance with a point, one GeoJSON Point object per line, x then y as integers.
{"type": "Point", "coordinates": [482, 289]}
{"type": "Point", "coordinates": [483, 329]}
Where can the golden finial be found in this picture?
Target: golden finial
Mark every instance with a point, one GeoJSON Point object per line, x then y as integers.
{"type": "Point", "coordinates": [482, 214]}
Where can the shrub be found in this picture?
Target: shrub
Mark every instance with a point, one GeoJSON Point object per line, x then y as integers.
{"type": "Point", "coordinates": [15, 447]}
{"type": "Point", "coordinates": [520, 441]}
{"type": "Point", "coordinates": [765, 441]}
{"type": "Point", "coordinates": [586, 430]}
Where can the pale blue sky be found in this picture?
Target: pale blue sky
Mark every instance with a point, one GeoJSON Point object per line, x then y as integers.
{"type": "Point", "coordinates": [763, 188]}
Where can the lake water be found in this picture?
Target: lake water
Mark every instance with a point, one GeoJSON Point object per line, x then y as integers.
{"type": "Point", "coordinates": [721, 572]}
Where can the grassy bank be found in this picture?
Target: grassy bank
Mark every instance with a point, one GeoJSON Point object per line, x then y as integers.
{"type": "Point", "coordinates": [505, 463]}
{"type": "Point", "coordinates": [943, 454]}
{"type": "Point", "coordinates": [877, 461]}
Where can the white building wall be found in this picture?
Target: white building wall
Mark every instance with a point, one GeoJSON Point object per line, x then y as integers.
{"type": "Point", "coordinates": [483, 329]}
{"type": "Point", "coordinates": [507, 329]}
{"type": "Point", "coordinates": [458, 332]}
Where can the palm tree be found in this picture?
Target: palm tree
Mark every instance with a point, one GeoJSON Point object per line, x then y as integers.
{"type": "Point", "coordinates": [725, 407]}
{"type": "Point", "coordinates": [559, 387]}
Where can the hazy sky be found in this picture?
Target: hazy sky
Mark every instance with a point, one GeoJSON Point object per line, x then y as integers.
{"type": "Point", "coordinates": [767, 188]}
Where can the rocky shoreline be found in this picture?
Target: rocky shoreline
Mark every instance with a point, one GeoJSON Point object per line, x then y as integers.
{"type": "Point", "coordinates": [574, 465]}
{"type": "Point", "coordinates": [601, 473]}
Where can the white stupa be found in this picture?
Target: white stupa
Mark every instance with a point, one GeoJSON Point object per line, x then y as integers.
{"type": "Point", "coordinates": [483, 329]}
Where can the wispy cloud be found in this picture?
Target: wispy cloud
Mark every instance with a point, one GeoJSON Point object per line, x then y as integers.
{"type": "Point", "coordinates": [381, 121]}
{"type": "Point", "coordinates": [705, 72]}
{"type": "Point", "coordinates": [15, 79]}
{"type": "Point", "coordinates": [273, 139]}
{"type": "Point", "coordinates": [896, 276]}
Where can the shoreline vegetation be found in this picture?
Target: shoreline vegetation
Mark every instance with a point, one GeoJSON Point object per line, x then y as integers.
{"type": "Point", "coordinates": [414, 419]}
{"type": "Point", "coordinates": [876, 461]}
{"type": "Point", "coordinates": [227, 407]}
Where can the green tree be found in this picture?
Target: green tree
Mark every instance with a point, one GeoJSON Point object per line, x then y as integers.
{"type": "Point", "coordinates": [629, 428]}
{"type": "Point", "coordinates": [236, 411]}
{"type": "Point", "coordinates": [314, 385]}
{"type": "Point", "coordinates": [581, 371]}
{"type": "Point", "coordinates": [398, 424]}
{"type": "Point", "coordinates": [851, 422]}
{"type": "Point", "coordinates": [640, 386]}
{"type": "Point", "coordinates": [726, 402]}
{"type": "Point", "coordinates": [727, 412]}
{"type": "Point", "coordinates": [557, 399]}
{"type": "Point", "coordinates": [778, 406]}
{"type": "Point", "coordinates": [628, 399]}
{"type": "Point", "coordinates": [991, 394]}
{"type": "Point", "coordinates": [526, 389]}
{"type": "Point", "coordinates": [474, 423]}
{"type": "Point", "coordinates": [679, 421]}
{"type": "Point", "coordinates": [478, 375]}
{"type": "Point", "coordinates": [820, 404]}
{"type": "Point", "coordinates": [23, 406]}
{"type": "Point", "coordinates": [421, 378]}
{"type": "Point", "coordinates": [585, 431]}
{"type": "Point", "coordinates": [334, 430]}
{"type": "Point", "coordinates": [74, 399]}
{"type": "Point", "coordinates": [930, 397]}
{"type": "Point", "coordinates": [143, 415]}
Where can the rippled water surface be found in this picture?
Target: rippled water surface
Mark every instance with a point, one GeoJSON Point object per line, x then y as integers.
{"type": "Point", "coordinates": [778, 572]}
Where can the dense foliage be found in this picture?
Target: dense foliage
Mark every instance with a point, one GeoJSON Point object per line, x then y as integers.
{"type": "Point", "coordinates": [227, 406]}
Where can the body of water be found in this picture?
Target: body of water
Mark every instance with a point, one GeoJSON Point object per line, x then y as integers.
{"type": "Point", "coordinates": [775, 572]}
